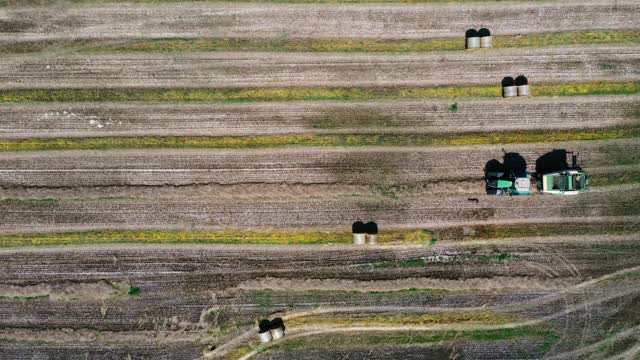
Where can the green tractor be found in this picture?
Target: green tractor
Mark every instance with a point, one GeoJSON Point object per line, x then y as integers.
{"type": "Point", "coordinates": [508, 183]}
{"type": "Point", "coordinates": [509, 177]}
{"type": "Point", "coordinates": [562, 179]}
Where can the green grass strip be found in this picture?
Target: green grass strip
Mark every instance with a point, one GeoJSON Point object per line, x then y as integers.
{"type": "Point", "coordinates": [171, 45]}
{"type": "Point", "coordinates": [298, 94]}
{"type": "Point", "coordinates": [414, 338]}
{"type": "Point", "coordinates": [204, 237]}
{"type": "Point", "coordinates": [272, 141]}
{"type": "Point", "coordinates": [533, 230]}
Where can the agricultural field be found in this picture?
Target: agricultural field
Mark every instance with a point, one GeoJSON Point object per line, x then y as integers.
{"type": "Point", "coordinates": [173, 172]}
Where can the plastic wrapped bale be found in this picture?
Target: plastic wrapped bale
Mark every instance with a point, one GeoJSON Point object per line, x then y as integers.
{"type": "Point", "coordinates": [472, 39]}
{"type": "Point", "coordinates": [522, 83]}
{"type": "Point", "coordinates": [486, 40]}
{"type": "Point", "coordinates": [372, 233]}
{"type": "Point", "coordinates": [264, 331]}
{"type": "Point", "coordinates": [359, 236]}
{"type": "Point", "coordinates": [509, 87]}
{"type": "Point", "coordinates": [277, 328]}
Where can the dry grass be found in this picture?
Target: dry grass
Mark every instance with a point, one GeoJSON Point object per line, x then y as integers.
{"type": "Point", "coordinates": [272, 141]}
{"type": "Point", "coordinates": [377, 320]}
{"type": "Point", "coordinates": [204, 237]}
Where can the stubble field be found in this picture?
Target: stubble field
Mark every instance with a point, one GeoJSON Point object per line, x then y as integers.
{"type": "Point", "coordinates": [172, 172]}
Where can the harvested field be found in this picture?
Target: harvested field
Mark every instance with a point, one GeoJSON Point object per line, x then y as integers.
{"type": "Point", "coordinates": [279, 118]}
{"type": "Point", "coordinates": [314, 21]}
{"type": "Point", "coordinates": [176, 290]}
{"type": "Point", "coordinates": [220, 214]}
{"type": "Point", "coordinates": [366, 165]}
{"type": "Point", "coordinates": [233, 70]}
{"type": "Point", "coordinates": [173, 172]}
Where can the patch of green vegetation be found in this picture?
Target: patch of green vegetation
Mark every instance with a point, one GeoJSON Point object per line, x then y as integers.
{"type": "Point", "coordinates": [201, 237]}
{"type": "Point", "coordinates": [337, 320]}
{"type": "Point", "coordinates": [285, 44]}
{"type": "Point", "coordinates": [616, 178]}
{"type": "Point", "coordinates": [25, 298]}
{"type": "Point", "coordinates": [295, 94]}
{"type": "Point", "coordinates": [414, 338]}
{"type": "Point", "coordinates": [134, 291]}
{"type": "Point", "coordinates": [533, 230]}
{"type": "Point", "coordinates": [272, 141]}
{"type": "Point", "coordinates": [35, 200]}
{"type": "Point", "coordinates": [454, 107]}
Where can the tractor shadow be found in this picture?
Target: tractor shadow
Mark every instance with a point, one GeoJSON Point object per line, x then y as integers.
{"type": "Point", "coordinates": [512, 163]}
{"type": "Point", "coordinates": [552, 161]}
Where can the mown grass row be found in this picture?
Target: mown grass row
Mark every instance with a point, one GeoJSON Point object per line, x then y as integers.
{"type": "Point", "coordinates": [206, 237]}
{"type": "Point", "coordinates": [533, 230]}
{"type": "Point", "coordinates": [394, 237]}
{"type": "Point", "coordinates": [273, 141]}
{"type": "Point", "coordinates": [367, 319]}
{"type": "Point", "coordinates": [171, 45]}
{"type": "Point", "coordinates": [405, 338]}
{"type": "Point", "coordinates": [311, 93]}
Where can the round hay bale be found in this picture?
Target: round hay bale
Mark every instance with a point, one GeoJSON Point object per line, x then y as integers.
{"type": "Point", "coordinates": [522, 83]}
{"type": "Point", "coordinates": [277, 328]}
{"type": "Point", "coordinates": [508, 87]}
{"type": "Point", "coordinates": [486, 41]}
{"type": "Point", "coordinates": [264, 331]}
{"type": "Point", "coordinates": [472, 39]}
{"type": "Point", "coordinates": [359, 229]}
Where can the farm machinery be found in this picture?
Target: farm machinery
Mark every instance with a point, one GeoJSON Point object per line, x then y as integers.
{"type": "Point", "coordinates": [553, 175]}
{"type": "Point", "coordinates": [508, 183]}
{"type": "Point", "coordinates": [563, 180]}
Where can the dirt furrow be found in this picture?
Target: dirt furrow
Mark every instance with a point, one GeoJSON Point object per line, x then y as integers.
{"type": "Point", "coordinates": [365, 166]}
{"type": "Point", "coordinates": [96, 120]}
{"type": "Point", "coordinates": [234, 70]}
{"type": "Point", "coordinates": [317, 21]}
